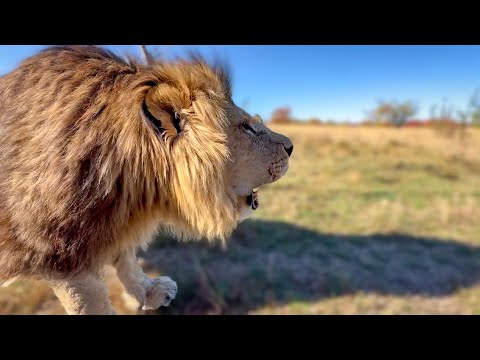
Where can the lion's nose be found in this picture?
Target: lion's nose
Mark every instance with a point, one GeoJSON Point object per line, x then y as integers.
{"type": "Point", "coordinates": [289, 150]}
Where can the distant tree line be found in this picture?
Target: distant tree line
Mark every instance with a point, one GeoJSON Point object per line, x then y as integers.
{"type": "Point", "coordinates": [283, 115]}
{"type": "Point", "coordinates": [444, 117]}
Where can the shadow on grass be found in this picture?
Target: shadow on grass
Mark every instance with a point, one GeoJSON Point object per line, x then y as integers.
{"type": "Point", "coordinates": [267, 263]}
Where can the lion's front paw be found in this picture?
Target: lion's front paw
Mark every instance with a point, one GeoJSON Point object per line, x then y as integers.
{"type": "Point", "coordinates": [160, 292]}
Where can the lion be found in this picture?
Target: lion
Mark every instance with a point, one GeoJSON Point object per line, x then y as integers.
{"type": "Point", "coordinates": [98, 154]}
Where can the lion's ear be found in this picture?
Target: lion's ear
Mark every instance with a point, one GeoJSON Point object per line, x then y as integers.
{"type": "Point", "coordinates": [161, 115]}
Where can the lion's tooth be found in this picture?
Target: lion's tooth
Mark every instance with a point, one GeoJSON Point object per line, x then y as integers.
{"type": "Point", "coordinates": [255, 189]}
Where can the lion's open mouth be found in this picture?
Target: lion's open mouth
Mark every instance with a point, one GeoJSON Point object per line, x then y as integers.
{"type": "Point", "coordinates": [252, 199]}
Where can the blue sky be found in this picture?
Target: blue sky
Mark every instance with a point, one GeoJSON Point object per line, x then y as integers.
{"type": "Point", "coordinates": [329, 82]}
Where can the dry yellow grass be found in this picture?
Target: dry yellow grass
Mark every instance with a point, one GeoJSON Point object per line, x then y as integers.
{"type": "Point", "coordinates": [379, 137]}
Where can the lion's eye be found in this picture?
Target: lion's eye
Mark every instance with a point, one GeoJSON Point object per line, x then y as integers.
{"type": "Point", "coordinates": [248, 128]}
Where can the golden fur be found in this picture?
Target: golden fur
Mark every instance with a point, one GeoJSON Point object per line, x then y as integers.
{"type": "Point", "coordinates": [84, 174]}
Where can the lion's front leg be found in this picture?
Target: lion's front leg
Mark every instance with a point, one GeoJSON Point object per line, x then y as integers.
{"type": "Point", "coordinates": [150, 293]}
{"type": "Point", "coordinates": [83, 294]}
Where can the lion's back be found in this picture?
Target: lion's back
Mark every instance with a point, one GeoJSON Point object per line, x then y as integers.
{"type": "Point", "coordinates": [48, 105]}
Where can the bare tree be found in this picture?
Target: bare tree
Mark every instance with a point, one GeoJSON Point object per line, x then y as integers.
{"type": "Point", "coordinates": [449, 121]}
{"type": "Point", "coordinates": [443, 112]}
{"type": "Point", "coordinates": [474, 108]}
{"type": "Point", "coordinates": [469, 116]}
{"type": "Point", "coordinates": [281, 115]}
{"type": "Point", "coordinates": [393, 112]}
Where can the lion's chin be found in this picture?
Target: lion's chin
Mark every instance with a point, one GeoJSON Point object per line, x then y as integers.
{"type": "Point", "coordinates": [278, 170]}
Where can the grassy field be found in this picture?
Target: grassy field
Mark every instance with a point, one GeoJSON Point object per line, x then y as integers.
{"type": "Point", "coordinates": [367, 221]}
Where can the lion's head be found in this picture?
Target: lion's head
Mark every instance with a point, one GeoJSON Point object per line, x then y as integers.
{"type": "Point", "coordinates": [218, 154]}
